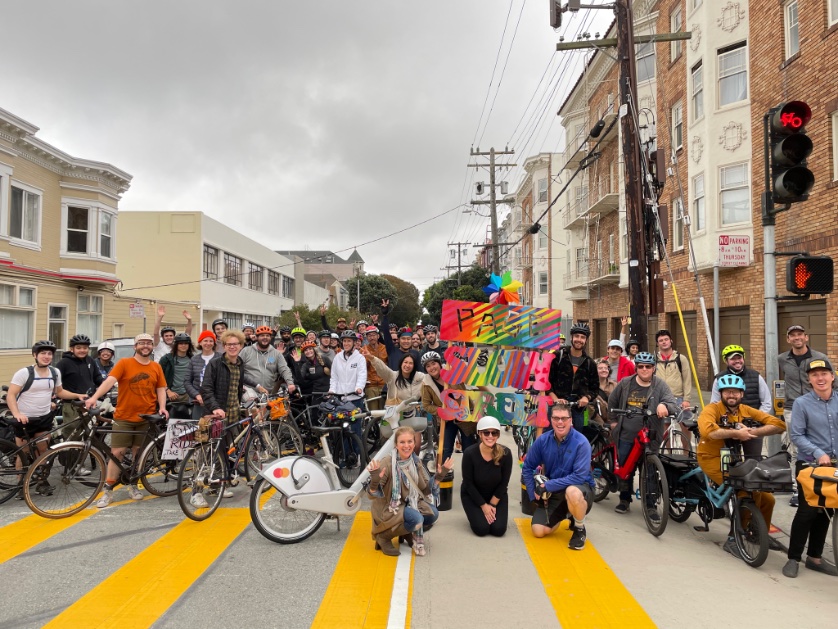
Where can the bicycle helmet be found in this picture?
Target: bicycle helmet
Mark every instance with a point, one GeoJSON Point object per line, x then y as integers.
{"type": "Point", "coordinates": [733, 349]}
{"type": "Point", "coordinates": [360, 323]}
{"type": "Point", "coordinates": [79, 339]}
{"type": "Point", "coordinates": [106, 345]}
{"type": "Point", "coordinates": [371, 329]}
{"type": "Point", "coordinates": [263, 329]}
{"type": "Point", "coordinates": [431, 328]}
{"type": "Point", "coordinates": [285, 329]}
{"type": "Point", "coordinates": [308, 345]}
{"type": "Point", "coordinates": [334, 335]}
{"type": "Point", "coordinates": [393, 326]}
{"type": "Point", "coordinates": [347, 334]}
{"type": "Point", "coordinates": [730, 381]}
{"type": "Point", "coordinates": [632, 342]}
{"type": "Point", "coordinates": [43, 346]}
{"type": "Point", "coordinates": [221, 322]}
{"type": "Point", "coordinates": [644, 358]}
{"type": "Point", "coordinates": [488, 423]}
{"type": "Point", "coordinates": [428, 357]}
{"type": "Point", "coordinates": [298, 332]}
{"type": "Point", "coordinates": [580, 328]}
{"type": "Point", "coordinates": [323, 333]}
{"type": "Point", "coordinates": [182, 337]}
{"type": "Point", "coordinates": [248, 325]}
{"type": "Point", "coordinates": [167, 328]}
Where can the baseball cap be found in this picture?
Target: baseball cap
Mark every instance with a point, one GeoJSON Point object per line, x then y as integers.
{"type": "Point", "coordinates": [615, 343]}
{"type": "Point", "coordinates": [143, 337]}
{"type": "Point", "coordinates": [341, 320]}
{"type": "Point", "coordinates": [795, 328]}
{"type": "Point", "coordinates": [820, 363]}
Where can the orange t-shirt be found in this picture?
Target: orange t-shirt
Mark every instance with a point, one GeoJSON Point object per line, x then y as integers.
{"type": "Point", "coordinates": [138, 386]}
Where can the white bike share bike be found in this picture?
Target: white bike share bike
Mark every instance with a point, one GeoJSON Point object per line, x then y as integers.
{"type": "Point", "coordinates": [294, 495]}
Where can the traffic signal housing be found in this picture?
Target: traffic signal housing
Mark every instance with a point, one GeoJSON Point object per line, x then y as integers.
{"type": "Point", "coordinates": [810, 275]}
{"type": "Point", "coordinates": [791, 180]}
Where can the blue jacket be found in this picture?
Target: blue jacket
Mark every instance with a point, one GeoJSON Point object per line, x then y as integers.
{"type": "Point", "coordinates": [565, 464]}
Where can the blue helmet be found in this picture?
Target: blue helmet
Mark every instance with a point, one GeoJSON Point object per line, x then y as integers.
{"type": "Point", "coordinates": [731, 381]}
{"type": "Point", "coordinates": [644, 358]}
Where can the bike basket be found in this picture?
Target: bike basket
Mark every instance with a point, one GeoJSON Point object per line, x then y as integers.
{"type": "Point", "coordinates": [770, 474]}
{"type": "Point", "coordinates": [278, 407]}
{"type": "Point", "coordinates": [208, 428]}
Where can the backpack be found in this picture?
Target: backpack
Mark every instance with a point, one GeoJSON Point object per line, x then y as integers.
{"type": "Point", "coordinates": [676, 360]}
{"type": "Point", "coordinates": [30, 379]}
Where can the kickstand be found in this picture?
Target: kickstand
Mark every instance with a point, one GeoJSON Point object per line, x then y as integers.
{"type": "Point", "coordinates": [703, 529]}
{"type": "Point", "coordinates": [336, 519]}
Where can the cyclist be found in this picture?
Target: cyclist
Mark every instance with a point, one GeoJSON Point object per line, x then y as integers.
{"type": "Point", "coordinates": [312, 370]}
{"type": "Point", "coordinates": [375, 383]}
{"type": "Point", "coordinates": [104, 358]}
{"type": "Point", "coordinates": [219, 326]}
{"type": "Point", "coordinates": [325, 347]}
{"type": "Point", "coordinates": [721, 423]}
{"type": "Point", "coordinates": [404, 384]}
{"type": "Point", "coordinates": [432, 342]}
{"type": "Point", "coordinates": [265, 365]}
{"type": "Point", "coordinates": [249, 331]}
{"type": "Point", "coordinates": [565, 483]}
{"type": "Point", "coordinates": [79, 374]}
{"type": "Point", "coordinates": [164, 337]}
{"type": "Point", "coordinates": [405, 346]}
{"type": "Point", "coordinates": [334, 342]}
{"type": "Point", "coordinates": [349, 374]}
{"type": "Point", "coordinates": [311, 335]}
{"type": "Point", "coordinates": [674, 368]}
{"type": "Point", "coordinates": [641, 391]}
{"type": "Point", "coordinates": [197, 367]}
{"type": "Point", "coordinates": [432, 387]}
{"type": "Point", "coordinates": [573, 376]}
{"type": "Point", "coordinates": [632, 349]}
{"type": "Point", "coordinates": [298, 335]}
{"type": "Point", "coordinates": [361, 328]}
{"type": "Point", "coordinates": [175, 366]}
{"type": "Point", "coordinates": [621, 367]}
{"type": "Point", "coordinates": [30, 401]}
{"type": "Point", "coordinates": [486, 470]}
{"type": "Point", "coordinates": [142, 389]}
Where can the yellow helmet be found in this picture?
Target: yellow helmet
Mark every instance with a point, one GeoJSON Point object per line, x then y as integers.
{"type": "Point", "coordinates": [733, 349]}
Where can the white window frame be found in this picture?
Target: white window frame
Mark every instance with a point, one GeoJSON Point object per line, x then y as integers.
{"type": "Point", "coordinates": [6, 173]}
{"type": "Point", "coordinates": [834, 117]}
{"type": "Point", "coordinates": [643, 48]}
{"type": "Point", "coordinates": [722, 54]}
{"type": "Point", "coordinates": [62, 342]}
{"type": "Point", "coordinates": [16, 307]}
{"type": "Point", "coordinates": [37, 192]}
{"type": "Point", "coordinates": [543, 282]}
{"type": "Point", "coordinates": [95, 336]}
{"type": "Point", "coordinates": [260, 274]}
{"type": "Point", "coordinates": [624, 249]}
{"type": "Point", "coordinates": [696, 4]}
{"type": "Point", "coordinates": [746, 185]}
{"type": "Point", "coordinates": [677, 130]}
{"type": "Point", "coordinates": [95, 212]}
{"type": "Point", "coordinates": [832, 8]}
{"type": "Point", "coordinates": [697, 81]}
{"type": "Point", "coordinates": [542, 238]}
{"type": "Point", "coordinates": [111, 216]}
{"type": "Point", "coordinates": [676, 25]}
{"type": "Point", "coordinates": [542, 190]}
{"type": "Point", "coordinates": [791, 28]}
{"type": "Point", "coordinates": [677, 224]}
{"type": "Point", "coordinates": [699, 214]}
{"type": "Point", "coordinates": [235, 320]}
{"type": "Point", "coordinates": [88, 232]}
{"type": "Point", "coordinates": [213, 274]}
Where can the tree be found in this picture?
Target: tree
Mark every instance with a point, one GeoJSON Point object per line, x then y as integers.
{"type": "Point", "coordinates": [405, 309]}
{"type": "Point", "coordinates": [471, 283]}
{"type": "Point", "coordinates": [373, 289]}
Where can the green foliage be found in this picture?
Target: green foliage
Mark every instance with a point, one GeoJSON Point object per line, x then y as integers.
{"type": "Point", "coordinates": [373, 289]}
{"type": "Point", "coordinates": [405, 310]}
{"type": "Point", "coordinates": [471, 286]}
{"type": "Point", "coordinates": [311, 318]}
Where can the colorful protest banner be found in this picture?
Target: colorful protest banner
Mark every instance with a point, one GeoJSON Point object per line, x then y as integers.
{"type": "Point", "coordinates": [498, 324]}
{"type": "Point", "coordinates": [500, 368]}
{"type": "Point", "coordinates": [510, 409]}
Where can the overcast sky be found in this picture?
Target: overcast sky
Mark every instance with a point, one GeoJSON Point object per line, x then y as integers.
{"type": "Point", "coordinates": [322, 124]}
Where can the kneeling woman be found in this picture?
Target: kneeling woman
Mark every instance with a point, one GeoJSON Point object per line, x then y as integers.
{"type": "Point", "coordinates": [401, 492]}
{"type": "Point", "coordinates": [487, 467]}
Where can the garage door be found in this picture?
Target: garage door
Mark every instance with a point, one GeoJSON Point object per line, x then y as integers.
{"type": "Point", "coordinates": [734, 329]}
{"type": "Point", "coordinates": [811, 315]}
{"type": "Point", "coordinates": [678, 336]}
{"type": "Point", "coordinates": [600, 337]}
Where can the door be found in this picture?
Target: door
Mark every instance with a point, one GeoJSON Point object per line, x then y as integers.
{"type": "Point", "coordinates": [600, 337]}
{"type": "Point", "coordinates": [811, 315]}
{"type": "Point", "coordinates": [734, 329]}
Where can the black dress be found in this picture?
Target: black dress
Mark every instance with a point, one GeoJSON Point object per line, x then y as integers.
{"type": "Point", "coordinates": [483, 479]}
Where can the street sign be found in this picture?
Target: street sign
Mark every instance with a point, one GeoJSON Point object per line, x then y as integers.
{"type": "Point", "coordinates": [734, 250]}
{"type": "Point", "coordinates": [136, 311]}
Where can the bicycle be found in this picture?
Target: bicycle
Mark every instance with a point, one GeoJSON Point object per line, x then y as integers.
{"type": "Point", "coordinates": [607, 470]}
{"type": "Point", "coordinates": [293, 497]}
{"type": "Point", "coordinates": [393, 419]}
{"type": "Point", "coordinates": [675, 440]}
{"type": "Point", "coordinates": [81, 466]}
{"type": "Point", "coordinates": [15, 460]}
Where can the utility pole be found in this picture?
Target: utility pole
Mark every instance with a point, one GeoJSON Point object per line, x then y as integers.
{"type": "Point", "coordinates": [493, 200]}
{"type": "Point", "coordinates": [459, 265]}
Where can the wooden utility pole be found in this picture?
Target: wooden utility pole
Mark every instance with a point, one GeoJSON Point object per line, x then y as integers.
{"type": "Point", "coordinates": [493, 200]}
{"type": "Point", "coordinates": [459, 265]}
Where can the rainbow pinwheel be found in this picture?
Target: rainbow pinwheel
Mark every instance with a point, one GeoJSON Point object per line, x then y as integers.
{"type": "Point", "coordinates": [503, 289]}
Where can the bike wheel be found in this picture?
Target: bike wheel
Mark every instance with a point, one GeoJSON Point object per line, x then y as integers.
{"type": "Point", "coordinates": [679, 511]}
{"type": "Point", "coordinates": [70, 492]}
{"type": "Point", "coordinates": [351, 457]}
{"type": "Point", "coordinates": [288, 439]}
{"type": "Point", "coordinates": [10, 475]}
{"type": "Point", "coordinates": [372, 436]}
{"type": "Point", "coordinates": [262, 450]}
{"type": "Point", "coordinates": [158, 475]}
{"type": "Point", "coordinates": [200, 484]}
{"type": "Point", "coordinates": [654, 495]}
{"type": "Point", "coordinates": [278, 522]}
{"type": "Point", "coordinates": [602, 466]}
{"type": "Point", "coordinates": [750, 533]}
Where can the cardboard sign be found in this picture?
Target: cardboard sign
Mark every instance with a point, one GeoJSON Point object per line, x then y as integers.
{"type": "Point", "coordinates": [510, 409]}
{"type": "Point", "coordinates": [497, 367]}
{"type": "Point", "coordinates": [180, 436]}
{"type": "Point", "coordinates": [498, 324]}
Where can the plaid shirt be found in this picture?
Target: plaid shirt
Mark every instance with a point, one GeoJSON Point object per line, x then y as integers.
{"type": "Point", "coordinates": [232, 409]}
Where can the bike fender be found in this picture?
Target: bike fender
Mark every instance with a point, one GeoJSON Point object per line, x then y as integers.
{"type": "Point", "coordinates": [64, 444]}
{"type": "Point", "coordinates": [297, 474]}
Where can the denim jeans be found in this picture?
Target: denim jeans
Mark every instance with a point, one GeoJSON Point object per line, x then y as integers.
{"type": "Point", "coordinates": [451, 431]}
{"type": "Point", "coordinates": [413, 518]}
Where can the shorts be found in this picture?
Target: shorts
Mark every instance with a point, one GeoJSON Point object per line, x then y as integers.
{"type": "Point", "coordinates": [34, 426]}
{"type": "Point", "coordinates": [135, 434]}
{"type": "Point", "coordinates": [557, 507]}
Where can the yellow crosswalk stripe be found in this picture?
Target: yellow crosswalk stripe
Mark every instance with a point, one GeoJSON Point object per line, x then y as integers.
{"type": "Point", "coordinates": [359, 592]}
{"type": "Point", "coordinates": [583, 590]}
{"type": "Point", "coordinates": [142, 590]}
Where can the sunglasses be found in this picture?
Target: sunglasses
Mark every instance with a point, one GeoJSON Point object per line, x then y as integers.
{"type": "Point", "coordinates": [490, 433]}
{"type": "Point", "coordinates": [644, 366]}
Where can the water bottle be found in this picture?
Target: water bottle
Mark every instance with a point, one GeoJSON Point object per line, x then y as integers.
{"type": "Point", "coordinates": [725, 457]}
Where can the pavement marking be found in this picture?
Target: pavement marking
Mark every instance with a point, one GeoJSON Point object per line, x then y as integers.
{"type": "Point", "coordinates": [583, 590]}
{"type": "Point", "coordinates": [143, 589]}
{"type": "Point", "coordinates": [18, 537]}
{"type": "Point", "coordinates": [361, 587]}
{"type": "Point", "coordinates": [399, 616]}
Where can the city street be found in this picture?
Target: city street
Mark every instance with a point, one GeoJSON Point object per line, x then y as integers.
{"type": "Point", "coordinates": [139, 564]}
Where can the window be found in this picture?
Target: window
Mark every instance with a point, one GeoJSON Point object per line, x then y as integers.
{"type": "Point", "coordinates": [17, 316]}
{"type": "Point", "coordinates": [677, 127]}
{"type": "Point", "coordinates": [77, 229]}
{"type": "Point", "coordinates": [542, 283]}
{"type": "Point", "coordinates": [733, 74]}
{"type": "Point", "coordinates": [87, 229]}
{"type": "Point", "coordinates": [90, 316]}
{"type": "Point", "coordinates": [624, 241]}
{"type": "Point", "coordinates": [234, 320]}
{"type": "Point", "coordinates": [834, 117]}
{"type": "Point", "coordinates": [273, 283]}
{"type": "Point", "coordinates": [699, 219]}
{"type": "Point", "coordinates": [612, 254]}
{"type": "Point", "coordinates": [581, 261]}
{"type": "Point", "coordinates": [232, 269]}
{"type": "Point", "coordinates": [645, 61]}
{"type": "Point", "coordinates": [697, 3]}
{"type": "Point", "coordinates": [677, 224]}
{"type": "Point", "coordinates": [735, 194]}
{"type": "Point", "coordinates": [25, 215]}
{"type": "Point", "coordinates": [288, 287]}
{"type": "Point", "coordinates": [106, 222]}
{"type": "Point", "coordinates": [833, 12]}
{"type": "Point", "coordinates": [542, 239]}
{"type": "Point", "coordinates": [57, 325]}
{"type": "Point", "coordinates": [698, 91]}
{"type": "Point", "coordinates": [676, 24]}
{"type": "Point", "coordinates": [792, 28]}
{"type": "Point", "coordinates": [542, 190]}
{"type": "Point", "coordinates": [210, 263]}
{"type": "Point", "coordinates": [256, 277]}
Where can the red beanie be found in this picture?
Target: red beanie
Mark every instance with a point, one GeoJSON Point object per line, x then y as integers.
{"type": "Point", "coordinates": [206, 334]}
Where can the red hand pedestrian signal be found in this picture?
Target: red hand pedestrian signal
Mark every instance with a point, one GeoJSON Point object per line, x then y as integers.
{"type": "Point", "coordinates": [810, 275]}
{"type": "Point", "coordinates": [802, 275]}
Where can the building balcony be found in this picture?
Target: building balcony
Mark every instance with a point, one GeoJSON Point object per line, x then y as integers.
{"type": "Point", "coordinates": [574, 214]}
{"type": "Point", "coordinates": [578, 155]}
{"type": "Point", "coordinates": [578, 278]}
{"type": "Point", "coordinates": [607, 198]}
{"type": "Point", "coordinates": [609, 137]}
{"type": "Point", "coordinates": [603, 272]}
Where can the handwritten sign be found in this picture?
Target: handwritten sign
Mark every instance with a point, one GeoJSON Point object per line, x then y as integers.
{"type": "Point", "coordinates": [180, 436]}
{"type": "Point", "coordinates": [498, 324]}
{"type": "Point", "coordinates": [510, 409]}
{"type": "Point", "coordinates": [497, 367]}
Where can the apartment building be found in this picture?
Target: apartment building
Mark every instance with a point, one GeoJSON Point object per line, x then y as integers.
{"type": "Point", "coordinates": [328, 271]}
{"type": "Point", "coordinates": [58, 249]}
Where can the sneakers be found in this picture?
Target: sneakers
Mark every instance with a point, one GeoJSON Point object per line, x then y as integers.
{"type": "Point", "coordinates": [730, 547]}
{"type": "Point", "coordinates": [228, 493]}
{"type": "Point", "coordinates": [623, 507]}
{"type": "Point", "coordinates": [134, 493]}
{"type": "Point", "coordinates": [106, 499]}
{"type": "Point", "coordinates": [420, 550]}
{"type": "Point", "coordinates": [44, 488]}
{"type": "Point", "coordinates": [653, 515]}
{"type": "Point", "coordinates": [577, 540]}
{"type": "Point", "coordinates": [791, 568]}
{"type": "Point", "coordinates": [823, 566]}
{"type": "Point", "coordinates": [793, 500]}
{"type": "Point", "coordinates": [84, 471]}
{"type": "Point", "coordinates": [198, 500]}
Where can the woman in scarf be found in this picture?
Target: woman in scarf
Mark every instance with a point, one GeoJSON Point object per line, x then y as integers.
{"type": "Point", "coordinates": [402, 496]}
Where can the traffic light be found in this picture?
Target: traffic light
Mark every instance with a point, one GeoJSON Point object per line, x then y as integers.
{"type": "Point", "coordinates": [810, 275]}
{"type": "Point", "coordinates": [791, 181]}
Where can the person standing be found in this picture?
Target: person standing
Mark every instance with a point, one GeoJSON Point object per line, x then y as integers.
{"type": "Point", "coordinates": [814, 430]}
{"type": "Point", "coordinates": [573, 375]}
{"type": "Point", "coordinates": [325, 350]}
{"type": "Point", "coordinates": [79, 374]}
{"type": "Point", "coordinates": [432, 342]}
{"type": "Point", "coordinates": [104, 358]}
{"type": "Point", "coordinates": [175, 366]}
{"type": "Point", "coordinates": [621, 367]}
{"type": "Point", "coordinates": [265, 365]}
{"type": "Point", "coordinates": [673, 368]}
{"type": "Point", "coordinates": [313, 371]}
{"type": "Point", "coordinates": [375, 383]}
{"type": "Point", "coordinates": [793, 366]}
{"type": "Point", "coordinates": [197, 368]}
{"type": "Point", "coordinates": [165, 337]}
{"type": "Point", "coordinates": [395, 352]}
{"type": "Point", "coordinates": [486, 469]}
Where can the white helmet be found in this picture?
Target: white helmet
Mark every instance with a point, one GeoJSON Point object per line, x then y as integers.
{"type": "Point", "coordinates": [105, 345]}
{"type": "Point", "coordinates": [487, 423]}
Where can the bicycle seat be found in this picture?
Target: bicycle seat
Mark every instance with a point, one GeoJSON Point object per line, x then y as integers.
{"type": "Point", "coordinates": [326, 428]}
{"type": "Point", "coordinates": [155, 417]}
{"type": "Point", "coordinates": [679, 461]}
{"type": "Point", "coordinates": [690, 424]}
